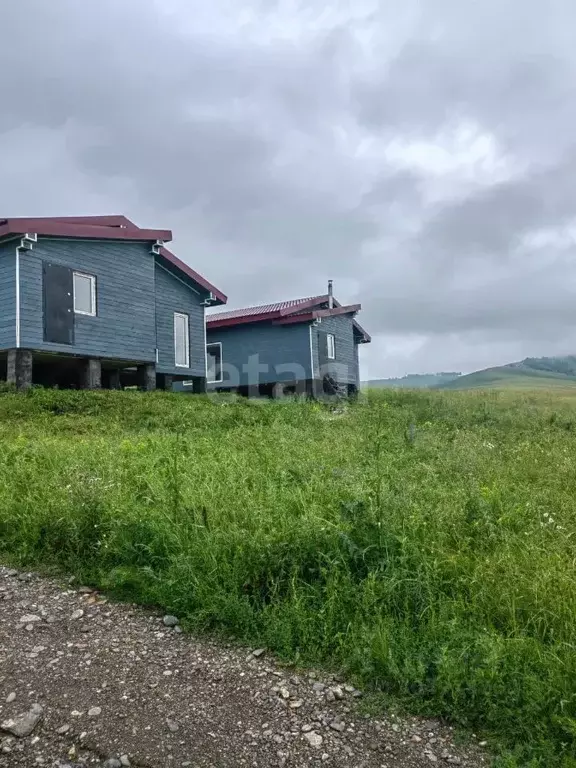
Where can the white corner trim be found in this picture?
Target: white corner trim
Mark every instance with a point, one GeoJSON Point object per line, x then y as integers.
{"type": "Point", "coordinates": [312, 371]}
{"type": "Point", "coordinates": [205, 342]}
{"type": "Point", "coordinates": [221, 379]}
{"type": "Point", "coordinates": [18, 297]}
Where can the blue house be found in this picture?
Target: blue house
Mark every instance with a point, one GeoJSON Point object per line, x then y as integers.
{"type": "Point", "coordinates": [98, 301]}
{"type": "Point", "coordinates": [305, 346]}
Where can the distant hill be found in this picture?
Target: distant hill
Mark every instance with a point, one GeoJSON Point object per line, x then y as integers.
{"type": "Point", "coordinates": [412, 381]}
{"type": "Point", "coordinates": [530, 373]}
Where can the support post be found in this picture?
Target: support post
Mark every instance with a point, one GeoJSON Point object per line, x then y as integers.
{"type": "Point", "coordinates": [313, 389]}
{"type": "Point", "coordinates": [199, 385]}
{"type": "Point", "coordinates": [146, 374]}
{"type": "Point", "coordinates": [91, 374]}
{"type": "Point", "coordinates": [164, 381]}
{"type": "Point", "coordinates": [19, 368]}
{"type": "Point", "coordinates": [114, 379]}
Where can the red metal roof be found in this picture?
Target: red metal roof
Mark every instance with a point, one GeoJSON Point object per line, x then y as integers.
{"type": "Point", "coordinates": [264, 309]}
{"type": "Point", "coordinates": [286, 312]}
{"type": "Point", "coordinates": [104, 228]}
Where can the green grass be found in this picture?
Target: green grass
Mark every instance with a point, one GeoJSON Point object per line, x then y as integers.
{"type": "Point", "coordinates": [423, 542]}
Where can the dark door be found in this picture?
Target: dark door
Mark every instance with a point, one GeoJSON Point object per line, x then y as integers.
{"type": "Point", "coordinates": [58, 304]}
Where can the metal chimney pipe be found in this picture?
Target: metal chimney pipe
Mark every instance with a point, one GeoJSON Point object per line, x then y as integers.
{"type": "Point", "coordinates": [330, 294]}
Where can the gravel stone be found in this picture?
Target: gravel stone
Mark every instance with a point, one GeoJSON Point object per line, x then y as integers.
{"type": "Point", "coordinates": [10, 698]}
{"type": "Point", "coordinates": [314, 739]}
{"type": "Point", "coordinates": [227, 711]}
{"type": "Point", "coordinates": [24, 724]}
{"type": "Point", "coordinates": [30, 618]}
{"type": "Point", "coordinates": [94, 711]}
{"type": "Point", "coordinates": [77, 614]}
{"type": "Point", "coordinates": [170, 621]}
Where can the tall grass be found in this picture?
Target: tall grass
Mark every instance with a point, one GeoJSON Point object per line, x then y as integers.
{"type": "Point", "coordinates": [423, 542]}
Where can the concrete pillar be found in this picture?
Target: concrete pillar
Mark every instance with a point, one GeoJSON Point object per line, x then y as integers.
{"type": "Point", "coordinates": [146, 375]}
{"type": "Point", "coordinates": [114, 379]}
{"type": "Point", "coordinates": [164, 381]}
{"type": "Point", "coordinates": [19, 368]}
{"type": "Point", "coordinates": [199, 385]}
{"type": "Point", "coordinates": [314, 388]}
{"type": "Point", "coordinates": [91, 377]}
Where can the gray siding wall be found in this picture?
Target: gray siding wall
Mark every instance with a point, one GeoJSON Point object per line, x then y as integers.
{"type": "Point", "coordinates": [345, 366]}
{"type": "Point", "coordinates": [124, 327]}
{"type": "Point", "coordinates": [8, 295]}
{"type": "Point", "coordinates": [279, 347]}
{"type": "Point", "coordinates": [172, 295]}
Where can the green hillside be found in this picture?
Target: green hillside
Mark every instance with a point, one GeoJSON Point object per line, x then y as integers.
{"type": "Point", "coordinates": [412, 381]}
{"type": "Point", "coordinates": [530, 373]}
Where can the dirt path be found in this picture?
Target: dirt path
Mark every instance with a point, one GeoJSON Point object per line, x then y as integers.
{"type": "Point", "coordinates": [116, 688]}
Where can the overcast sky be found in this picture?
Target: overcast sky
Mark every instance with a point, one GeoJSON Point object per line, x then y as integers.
{"type": "Point", "coordinates": [421, 154]}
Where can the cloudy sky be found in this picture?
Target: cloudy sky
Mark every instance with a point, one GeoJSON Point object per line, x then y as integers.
{"type": "Point", "coordinates": [421, 154]}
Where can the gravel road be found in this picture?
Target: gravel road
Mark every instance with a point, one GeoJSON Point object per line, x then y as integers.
{"type": "Point", "coordinates": [87, 682]}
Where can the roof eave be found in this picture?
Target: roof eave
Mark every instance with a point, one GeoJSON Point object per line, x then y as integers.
{"type": "Point", "coordinates": [318, 314]}
{"type": "Point", "coordinates": [56, 228]}
{"type": "Point", "coordinates": [215, 297]}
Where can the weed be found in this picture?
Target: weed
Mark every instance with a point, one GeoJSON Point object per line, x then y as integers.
{"type": "Point", "coordinates": [424, 542]}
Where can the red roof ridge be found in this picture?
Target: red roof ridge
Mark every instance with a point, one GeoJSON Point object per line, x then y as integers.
{"type": "Point", "coordinates": [282, 307]}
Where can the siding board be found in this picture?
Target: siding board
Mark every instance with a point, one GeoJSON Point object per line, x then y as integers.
{"type": "Point", "coordinates": [124, 327]}
{"type": "Point", "coordinates": [8, 295]}
{"type": "Point", "coordinates": [346, 362]}
{"type": "Point", "coordinates": [172, 295]}
{"type": "Point", "coordinates": [280, 349]}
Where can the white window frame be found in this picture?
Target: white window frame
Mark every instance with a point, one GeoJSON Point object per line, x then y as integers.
{"type": "Point", "coordinates": [221, 379]}
{"type": "Point", "coordinates": [177, 317]}
{"type": "Point", "coordinates": [92, 279]}
{"type": "Point", "coordinates": [331, 346]}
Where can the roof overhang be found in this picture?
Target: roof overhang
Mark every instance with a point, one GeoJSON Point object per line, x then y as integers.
{"type": "Point", "coordinates": [303, 312]}
{"type": "Point", "coordinates": [113, 227]}
{"type": "Point", "coordinates": [318, 314]}
{"type": "Point", "coordinates": [81, 229]}
{"type": "Point", "coordinates": [361, 335]}
{"type": "Point", "coordinates": [215, 297]}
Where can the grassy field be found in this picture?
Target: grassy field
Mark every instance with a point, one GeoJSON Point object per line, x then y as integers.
{"type": "Point", "coordinates": [424, 542]}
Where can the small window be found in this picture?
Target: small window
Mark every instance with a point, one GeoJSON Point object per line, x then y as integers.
{"type": "Point", "coordinates": [214, 362]}
{"type": "Point", "coordinates": [84, 294]}
{"type": "Point", "coordinates": [181, 341]}
{"type": "Point", "coordinates": [330, 346]}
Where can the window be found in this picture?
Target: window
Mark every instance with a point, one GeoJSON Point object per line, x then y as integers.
{"type": "Point", "coordinates": [214, 362]}
{"type": "Point", "coordinates": [181, 341]}
{"type": "Point", "coordinates": [330, 346]}
{"type": "Point", "coordinates": [84, 294]}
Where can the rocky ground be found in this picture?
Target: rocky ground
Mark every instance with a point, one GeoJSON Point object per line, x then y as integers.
{"type": "Point", "coordinates": [85, 682]}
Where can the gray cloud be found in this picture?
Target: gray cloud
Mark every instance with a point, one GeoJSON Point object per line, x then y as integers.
{"type": "Point", "coordinates": [423, 158]}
